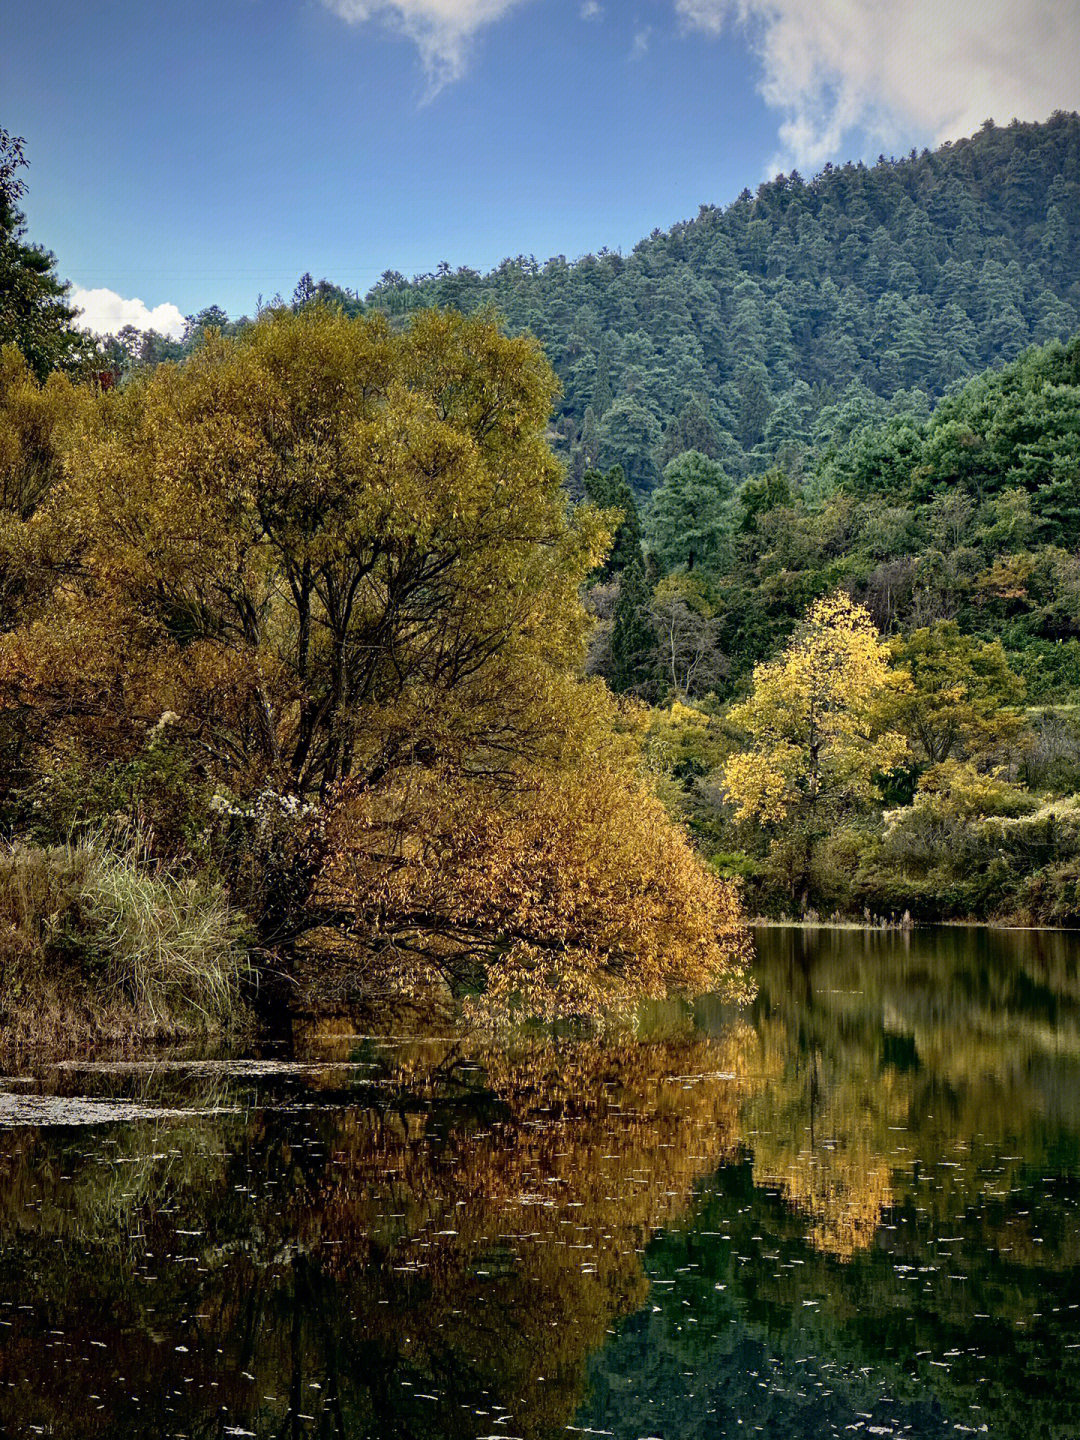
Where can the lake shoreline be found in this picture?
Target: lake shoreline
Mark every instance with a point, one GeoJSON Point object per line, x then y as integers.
{"type": "Point", "coordinates": [761, 922]}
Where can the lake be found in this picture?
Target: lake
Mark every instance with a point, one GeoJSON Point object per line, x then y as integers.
{"type": "Point", "coordinates": [852, 1209]}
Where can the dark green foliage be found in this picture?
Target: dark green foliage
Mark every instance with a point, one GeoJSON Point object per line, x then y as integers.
{"type": "Point", "coordinates": [310, 292]}
{"type": "Point", "coordinates": [132, 349]}
{"type": "Point", "coordinates": [611, 492]}
{"type": "Point", "coordinates": [968, 514]}
{"type": "Point", "coordinates": [972, 514]}
{"type": "Point", "coordinates": [35, 313]}
{"type": "Point", "coordinates": [157, 793]}
{"type": "Point", "coordinates": [632, 641]}
{"type": "Point", "coordinates": [958, 528]}
{"type": "Point", "coordinates": [689, 519]}
{"type": "Point", "coordinates": [733, 332]}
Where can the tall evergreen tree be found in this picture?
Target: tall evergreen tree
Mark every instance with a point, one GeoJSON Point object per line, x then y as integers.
{"type": "Point", "coordinates": [611, 492]}
{"type": "Point", "coordinates": [632, 640]}
{"type": "Point", "coordinates": [35, 312]}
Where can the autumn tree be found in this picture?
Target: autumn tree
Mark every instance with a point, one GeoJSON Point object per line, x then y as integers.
{"type": "Point", "coordinates": [346, 548]}
{"type": "Point", "coordinates": [816, 741]}
{"type": "Point", "coordinates": [36, 423]}
{"type": "Point", "coordinates": [331, 566]}
{"type": "Point", "coordinates": [571, 894]}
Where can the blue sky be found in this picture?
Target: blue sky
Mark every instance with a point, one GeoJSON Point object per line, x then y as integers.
{"type": "Point", "coordinates": [197, 153]}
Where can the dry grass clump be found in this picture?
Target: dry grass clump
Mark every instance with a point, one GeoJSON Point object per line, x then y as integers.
{"type": "Point", "coordinates": [94, 944]}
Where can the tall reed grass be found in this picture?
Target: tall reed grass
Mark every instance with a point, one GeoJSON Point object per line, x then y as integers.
{"type": "Point", "coordinates": [96, 942]}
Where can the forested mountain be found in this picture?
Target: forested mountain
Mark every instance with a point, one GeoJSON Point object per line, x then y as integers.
{"type": "Point", "coordinates": [757, 332]}
{"type": "Point", "coordinates": [732, 333]}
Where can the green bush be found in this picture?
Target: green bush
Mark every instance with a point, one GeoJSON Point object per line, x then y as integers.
{"type": "Point", "coordinates": [1051, 896]}
{"type": "Point", "coordinates": [155, 792]}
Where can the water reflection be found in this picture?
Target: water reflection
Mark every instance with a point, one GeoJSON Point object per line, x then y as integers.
{"type": "Point", "coordinates": [890, 1053]}
{"type": "Point", "coordinates": [434, 1236]}
{"type": "Point", "coordinates": [852, 1209]}
{"type": "Point", "coordinates": [900, 1242]}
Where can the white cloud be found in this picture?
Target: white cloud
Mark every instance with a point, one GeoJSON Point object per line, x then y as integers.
{"type": "Point", "coordinates": [642, 37]}
{"type": "Point", "coordinates": [901, 69]}
{"type": "Point", "coordinates": [442, 30]}
{"type": "Point", "coordinates": [592, 10]}
{"type": "Point", "coordinates": [105, 313]}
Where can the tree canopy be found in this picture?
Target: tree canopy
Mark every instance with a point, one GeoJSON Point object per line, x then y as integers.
{"type": "Point", "coordinates": [814, 721]}
{"type": "Point", "coordinates": [310, 602]}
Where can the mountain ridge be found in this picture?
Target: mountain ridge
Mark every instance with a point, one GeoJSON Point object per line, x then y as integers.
{"type": "Point", "coordinates": [731, 332]}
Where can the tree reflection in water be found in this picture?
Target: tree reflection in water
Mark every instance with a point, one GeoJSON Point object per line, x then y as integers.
{"type": "Point", "coordinates": [860, 1198]}
{"type": "Point", "coordinates": [439, 1236]}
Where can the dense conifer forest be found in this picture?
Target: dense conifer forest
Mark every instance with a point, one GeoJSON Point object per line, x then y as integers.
{"type": "Point", "coordinates": [756, 331]}
{"type": "Point", "coordinates": [753, 331]}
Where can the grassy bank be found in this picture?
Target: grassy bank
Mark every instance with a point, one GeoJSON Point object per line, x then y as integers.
{"type": "Point", "coordinates": [98, 945]}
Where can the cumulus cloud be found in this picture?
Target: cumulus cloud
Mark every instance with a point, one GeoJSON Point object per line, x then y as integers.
{"type": "Point", "coordinates": [442, 30]}
{"type": "Point", "coordinates": [104, 312]}
{"type": "Point", "coordinates": [901, 69]}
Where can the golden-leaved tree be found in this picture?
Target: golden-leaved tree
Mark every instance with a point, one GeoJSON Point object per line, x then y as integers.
{"type": "Point", "coordinates": [36, 423]}
{"type": "Point", "coordinates": [817, 727]}
{"type": "Point", "coordinates": [331, 565]}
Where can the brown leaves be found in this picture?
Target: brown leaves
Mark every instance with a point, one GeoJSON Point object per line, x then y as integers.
{"type": "Point", "coordinates": [343, 559]}
{"type": "Point", "coordinates": [571, 894]}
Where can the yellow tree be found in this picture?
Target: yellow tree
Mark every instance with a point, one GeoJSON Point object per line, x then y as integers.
{"type": "Point", "coordinates": [36, 422]}
{"type": "Point", "coordinates": [816, 734]}
{"type": "Point", "coordinates": [336, 562]}
{"type": "Point", "coordinates": [571, 894]}
{"type": "Point", "coordinates": [347, 546]}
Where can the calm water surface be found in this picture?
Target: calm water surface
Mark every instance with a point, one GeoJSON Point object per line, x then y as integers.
{"type": "Point", "coordinates": [853, 1209]}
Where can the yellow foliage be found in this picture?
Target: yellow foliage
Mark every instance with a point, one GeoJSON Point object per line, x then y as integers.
{"type": "Point", "coordinates": [570, 895]}
{"type": "Point", "coordinates": [365, 527]}
{"type": "Point", "coordinates": [341, 559]}
{"type": "Point", "coordinates": [956, 787]}
{"type": "Point", "coordinates": [682, 734]}
{"type": "Point", "coordinates": [36, 424]}
{"type": "Point", "coordinates": [814, 719]}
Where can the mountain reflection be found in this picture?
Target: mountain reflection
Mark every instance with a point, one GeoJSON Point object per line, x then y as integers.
{"type": "Point", "coordinates": [857, 1199]}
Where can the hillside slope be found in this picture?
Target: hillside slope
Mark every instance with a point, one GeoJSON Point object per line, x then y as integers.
{"type": "Point", "coordinates": [730, 333]}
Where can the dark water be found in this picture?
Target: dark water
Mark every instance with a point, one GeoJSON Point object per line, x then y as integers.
{"type": "Point", "coordinates": [852, 1210]}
